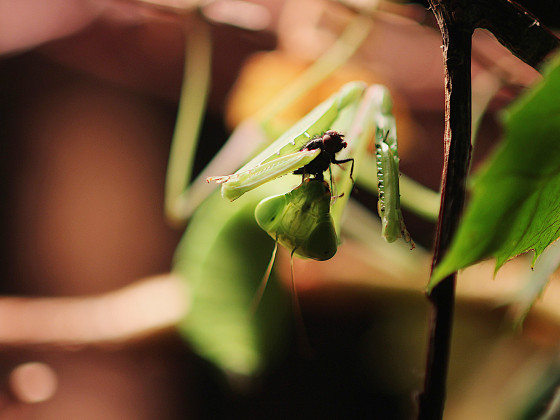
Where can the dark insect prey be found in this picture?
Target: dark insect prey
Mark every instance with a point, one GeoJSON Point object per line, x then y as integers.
{"type": "Point", "coordinates": [330, 143]}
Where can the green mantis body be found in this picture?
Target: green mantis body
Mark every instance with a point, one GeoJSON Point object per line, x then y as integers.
{"type": "Point", "coordinates": [300, 220]}
{"type": "Point", "coordinates": [388, 204]}
{"type": "Point", "coordinates": [306, 220]}
{"type": "Point", "coordinates": [286, 156]}
{"type": "Point", "coordinates": [224, 252]}
{"type": "Point", "coordinates": [234, 186]}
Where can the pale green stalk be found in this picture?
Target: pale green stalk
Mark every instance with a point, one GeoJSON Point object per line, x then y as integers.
{"type": "Point", "coordinates": [181, 200]}
{"type": "Point", "coordinates": [194, 93]}
{"type": "Point", "coordinates": [334, 58]}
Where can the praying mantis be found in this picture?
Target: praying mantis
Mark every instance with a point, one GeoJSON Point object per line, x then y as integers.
{"type": "Point", "coordinates": [223, 291]}
{"type": "Point", "coordinates": [224, 252]}
{"type": "Point", "coordinates": [364, 112]}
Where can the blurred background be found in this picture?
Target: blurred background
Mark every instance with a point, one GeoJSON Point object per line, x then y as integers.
{"type": "Point", "coordinates": [89, 93]}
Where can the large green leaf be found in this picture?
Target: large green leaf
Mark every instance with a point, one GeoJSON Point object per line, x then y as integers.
{"type": "Point", "coordinates": [515, 202]}
{"type": "Point", "coordinates": [222, 258]}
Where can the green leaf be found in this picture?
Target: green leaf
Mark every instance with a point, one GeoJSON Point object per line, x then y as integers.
{"type": "Point", "coordinates": [515, 202]}
{"type": "Point", "coordinates": [222, 258]}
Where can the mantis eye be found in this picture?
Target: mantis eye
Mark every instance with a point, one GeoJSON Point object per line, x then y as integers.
{"type": "Point", "coordinates": [269, 209]}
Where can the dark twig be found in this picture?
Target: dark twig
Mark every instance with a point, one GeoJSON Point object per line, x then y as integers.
{"type": "Point", "coordinates": [457, 62]}
{"type": "Point", "coordinates": [527, 39]}
{"type": "Point", "coordinates": [515, 28]}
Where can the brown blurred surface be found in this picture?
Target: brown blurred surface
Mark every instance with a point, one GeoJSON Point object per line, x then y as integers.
{"type": "Point", "coordinates": [89, 93]}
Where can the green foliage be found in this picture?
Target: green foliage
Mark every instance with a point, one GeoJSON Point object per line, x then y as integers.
{"type": "Point", "coordinates": [222, 257]}
{"type": "Point", "coordinates": [515, 202]}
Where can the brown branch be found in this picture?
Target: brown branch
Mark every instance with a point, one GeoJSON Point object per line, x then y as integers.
{"type": "Point", "coordinates": [456, 33]}
{"type": "Point", "coordinates": [516, 28]}
{"type": "Point", "coordinates": [525, 37]}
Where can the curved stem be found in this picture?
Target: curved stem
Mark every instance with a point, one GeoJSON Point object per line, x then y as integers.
{"type": "Point", "coordinates": [516, 28]}
{"type": "Point", "coordinates": [525, 37]}
{"type": "Point", "coordinates": [456, 34]}
{"type": "Point", "coordinates": [335, 57]}
{"type": "Point", "coordinates": [192, 105]}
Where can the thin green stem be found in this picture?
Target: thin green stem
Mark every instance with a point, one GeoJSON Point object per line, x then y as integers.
{"type": "Point", "coordinates": [192, 104]}
{"type": "Point", "coordinates": [334, 58]}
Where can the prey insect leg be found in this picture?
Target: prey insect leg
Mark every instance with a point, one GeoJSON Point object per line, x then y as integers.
{"type": "Point", "coordinates": [338, 162]}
